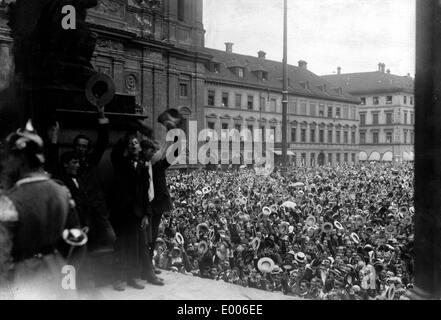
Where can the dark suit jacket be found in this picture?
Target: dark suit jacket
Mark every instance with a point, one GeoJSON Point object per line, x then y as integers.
{"type": "Point", "coordinates": [130, 194]}
{"type": "Point", "coordinates": [162, 201]}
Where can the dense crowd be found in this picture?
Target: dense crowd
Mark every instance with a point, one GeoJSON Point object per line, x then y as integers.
{"type": "Point", "coordinates": [342, 232]}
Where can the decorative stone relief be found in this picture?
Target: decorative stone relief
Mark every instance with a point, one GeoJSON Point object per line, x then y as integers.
{"type": "Point", "coordinates": [131, 83]}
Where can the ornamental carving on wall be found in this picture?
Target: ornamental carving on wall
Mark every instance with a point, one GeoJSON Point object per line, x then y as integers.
{"type": "Point", "coordinates": [131, 83]}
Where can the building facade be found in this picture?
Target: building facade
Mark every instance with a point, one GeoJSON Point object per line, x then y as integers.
{"type": "Point", "coordinates": [386, 112]}
{"type": "Point", "coordinates": [244, 92]}
{"type": "Point", "coordinates": [151, 49]}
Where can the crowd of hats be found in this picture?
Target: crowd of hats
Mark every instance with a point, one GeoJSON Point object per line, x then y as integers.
{"type": "Point", "coordinates": [341, 232]}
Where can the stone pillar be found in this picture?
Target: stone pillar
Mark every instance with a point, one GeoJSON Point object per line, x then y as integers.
{"type": "Point", "coordinates": [427, 248]}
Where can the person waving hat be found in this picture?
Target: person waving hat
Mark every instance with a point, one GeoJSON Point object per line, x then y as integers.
{"type": "Point", "coordinates": [265, 265]}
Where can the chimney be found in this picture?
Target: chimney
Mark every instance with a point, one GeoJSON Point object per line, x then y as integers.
{"type": "Point", "coordinates": [229, 47]}
{"type": "Point", "coordinates": [388, 71]}
{"type": "Point", "coordinates": [379, 66]}
{"type": "Point", "coordinates": [338, 70]}
{"type": "Point", "coordinates": [261, 54]}
{"type": "Point", "coordinates": [303, 64]}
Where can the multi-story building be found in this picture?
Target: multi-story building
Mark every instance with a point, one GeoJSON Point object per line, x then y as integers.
{"type": "Point", "coordinates": [245, 92]}
{"type": "Point", "coordinates": [386, 112]}
{"type": "Point", "coordinates": [151, 49]}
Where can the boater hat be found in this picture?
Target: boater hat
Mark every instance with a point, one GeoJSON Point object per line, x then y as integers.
{"type": "Point", "coordinates": [255, 243]}
{"type": "Point", "coordinates": [179, 238]}
{"type": "Point", "coordinates": [204, 246]}
{"type": "Point", "coordinates": [338, 225]}
{"type": "Point", "coordinates": [355, 238]}
{"type": "Point", "coordinates": [265, 265]}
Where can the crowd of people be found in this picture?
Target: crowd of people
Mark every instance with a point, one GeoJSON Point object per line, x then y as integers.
{"type": "Point", "coordinates": [341, 232]}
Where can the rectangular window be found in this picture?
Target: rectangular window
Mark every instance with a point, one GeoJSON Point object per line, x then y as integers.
{"type": "Point", "coordinates": [405, 99]}
{"type": "Point", "coordinates": [312, 159]}
{"type": "Point", "coordinates": [412, 137]}
{"type": "Point", "coordinates": [389, 100]}
{"type": "Point", "coordinates": [389, 118]}
{"type": "Point", "coordinates": [329, 136]}
{"type": "Point", "coordinates": [250, 102]}
{"type": "Point", "coordinates": [312, 109]}
{"type": "Point", "coordinates": [362, 138]}
{"type": "Point", "coordinates": [346, 158]}
{"type": "Point", "coordinates": [238, 100]}
{"type": "Point", "coordinates": [211, 125]}
{"type": "Point", "coordinates": [224, 132]}
{"type": "Point", "coordinates": [262, 103]}
{"type": "Point", "coordinates": [345, 137]}
{"type": "Point", "coordinates": [321, 110]}
{"type": "Point", "coordinates": [363, 101]}
{"type": "Point", "coordinates": [338, 137]}
{"type": "Point", "coordinates": [375, 118]}
{"type": "Point", "coordinates": [303, 159]}
{"type": "Point", "coordinates": [353, 158]}
{"type": "Point", "coordinates": [405, 136]}
{"type": "Point", "coordinates": [329, 158]}
{"type": "Point", "coordinates": [240, 72]}
{"type": "Point", "coordinates": [292, 107]}
{"type": "Point", "coordinates": [273, 133]}
{"type": "Point", "coordinates": [224, 99]}
{"type": "Point", "coordinates": [183, 90]}
{"type": "Point", "coordinates": [353, 137]}
{"type": "Point", "coordinates": [411, 101]}
{"type": "Point", "coordinates": [338, 158]}
{"type": "Point", "coordinates": [362, 119]}
{"type": "Point", "coordinates": [303, 135]}
{"type": "Point", "coordinates": [303, 108]}
{"type": "Point", "coordinates": [272, 105]}
{"type": "Point", "coordinates": [375, 137]}
{"type": "Point", "coordinates": [312, 135]}
{"type": "Point", "coordinates": [345, 112]}
{"type": "Point", "coordinates": [405, 117]}
{"type": "Point", "coordinates": [338, 112]}
{"type": "Point", "coordinates": [211, 97]}
{"type": "Point", "coordinates": [181, 10]}
{"type": "Point", "coordinates": [375, 100]}
{"type": "Point", "coordinates": [238, 127]}
{"type": "Point", "coordinates": [412, 118]}
{"type": "Point", "coordinates": [293, 134]}
{"type": "Point", "coordinates": [322, 136]}
{"type": "Point", "coordinates": [329, 111]}
{"type": "Point", "coordinates": [389, 137]}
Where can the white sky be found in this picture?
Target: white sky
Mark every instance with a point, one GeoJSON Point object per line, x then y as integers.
{"type": "Point", "coordinates": [353, 34]}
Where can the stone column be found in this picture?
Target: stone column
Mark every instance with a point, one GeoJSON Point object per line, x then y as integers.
{"type": "Point", "coordinates": [427, 268]}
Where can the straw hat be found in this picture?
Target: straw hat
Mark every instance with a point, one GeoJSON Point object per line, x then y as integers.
{"type": "Point", "coordinates": [338, 225]}
{"type": "Point", "coordinates": [355, 238]}
{"type": "Point", "coordinates": [311, 220]}
{"type": "Point", "coordinates": [203, 246]}
{"type": "Point", "coordinates": [255, 243]}
{"type": "Point", "coordinates": [266, 211]}
{"type": "Point", "coordinates": [265, 265]}
{"type": "Point", "coordinates": [300, 257]}
{"type": "Point", "coordinates": [327, 227]}
{"type": "Point", "coordinates": [179, 238]}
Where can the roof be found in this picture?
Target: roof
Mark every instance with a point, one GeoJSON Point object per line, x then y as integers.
{"type": "Point", "coordinates": [371, 82]}
{"type": "Point", "coordinates": [296, 76]}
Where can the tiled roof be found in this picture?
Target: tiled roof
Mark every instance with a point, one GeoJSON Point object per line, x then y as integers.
{"type": "Point", "coordinates": [371, 82]}
{"type": "Point", "coordinates": [296, 76]}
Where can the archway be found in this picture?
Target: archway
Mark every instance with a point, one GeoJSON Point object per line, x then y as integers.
{"type": "Point", "coordinates": [375, 156]}
{"type": "Point", "coordinates": [362, 156]}
{"type": "Point", "coordinates": [388, 156]}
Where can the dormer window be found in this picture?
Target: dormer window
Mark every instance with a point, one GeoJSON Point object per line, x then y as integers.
{"type": "Point", "coordinates": [216, 67]}
{"type": "Point", "coordinates": [304, 84]}
{"type": "Point", "coordinates": [240, 72]}
{"type": "Point", "coordinates": [264, 75]}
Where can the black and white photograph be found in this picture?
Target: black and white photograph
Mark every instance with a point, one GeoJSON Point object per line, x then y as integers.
{"type": "Point", "coordinates": [221, 150]}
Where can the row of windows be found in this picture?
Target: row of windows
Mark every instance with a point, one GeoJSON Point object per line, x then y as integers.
{"type": "Point", "coordinates": [388, 100]}
{"type": "Point", "coordinates": [408, 137]}
{"type": "Point", "coordinates": [388, 119]}
{"type": "Point", "coordinates": [270, 105]}
{"type": "Point", "coordinates": [341, 137]}
{"type": "Point", "coordinates": [324, 160]}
